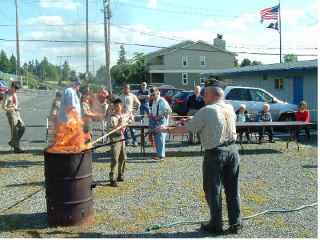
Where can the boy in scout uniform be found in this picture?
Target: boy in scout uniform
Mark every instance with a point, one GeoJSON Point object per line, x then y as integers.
{"type": "Point", "coordinates": [118, 150]}
{"type": "Point", "coordinates": [87, 115]}
{"type": "Point", "coordinates": [10, 105]}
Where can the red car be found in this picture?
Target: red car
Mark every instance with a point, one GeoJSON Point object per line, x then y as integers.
{"type": "Point", "coordinates": [167, 93]}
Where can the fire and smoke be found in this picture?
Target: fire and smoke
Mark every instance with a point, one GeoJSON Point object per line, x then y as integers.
{"type": "Point", "coordinates": [70, 137]}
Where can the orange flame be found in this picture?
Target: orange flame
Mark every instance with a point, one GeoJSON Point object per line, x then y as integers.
{"type": "Point", "coordinates": [70, 137]}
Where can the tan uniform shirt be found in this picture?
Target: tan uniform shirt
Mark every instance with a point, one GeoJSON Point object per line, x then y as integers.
{"type": "Point", "coordinates": [211, 123]}
{"type": "Point", "coordinates": [8, 101]}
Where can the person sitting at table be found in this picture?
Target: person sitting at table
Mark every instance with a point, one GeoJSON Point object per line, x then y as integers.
{"type": "Point", "coordinates": [303, 115]}
{"type": "Point", "coordinates": [242, 116]}
{"type": "Point", "coordinates": [265, 116]}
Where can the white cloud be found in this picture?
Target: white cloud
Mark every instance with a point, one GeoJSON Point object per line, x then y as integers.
{"type": "Point", "coordinates": [240, 23]}
{"type": "Point", "coordinates": [45, 20]}
{"type": "Point", "coordinates": [65, 4]}
{"type": "Point", "coordinates": [153, 4]}
{"type": "Point", "coordinates": [210, 23]}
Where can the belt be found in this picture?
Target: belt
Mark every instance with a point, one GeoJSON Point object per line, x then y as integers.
{"type": "Point", "coordinates": [225, 144]}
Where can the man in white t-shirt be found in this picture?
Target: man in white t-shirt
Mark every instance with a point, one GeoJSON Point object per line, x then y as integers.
{"type": "Point", "coordinates": [130, 100]}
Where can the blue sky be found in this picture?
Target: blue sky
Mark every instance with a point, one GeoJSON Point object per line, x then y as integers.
{"type": "Point", "coordinates": [156, 23]}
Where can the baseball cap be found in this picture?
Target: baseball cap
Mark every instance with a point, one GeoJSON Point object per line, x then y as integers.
{"type": "Point", "coordinates": [75, 79]}
{"type": "Point", "coordinates": [215, 83]}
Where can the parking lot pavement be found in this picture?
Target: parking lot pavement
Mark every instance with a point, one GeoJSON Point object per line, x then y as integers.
{"type": "Point", "coordinates": [34, 107]}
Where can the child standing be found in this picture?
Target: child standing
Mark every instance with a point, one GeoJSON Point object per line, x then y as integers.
{"type": "Point", "coordinates": [118, 149]}
{"type": "Point", "coordinates": [265, 116]}
{"type": "Point", "coordinates": [242, 116]}
{"type": "Point", "coordinates": [303, 115]}
{"type": "Point", "coordinates": [55, 108]}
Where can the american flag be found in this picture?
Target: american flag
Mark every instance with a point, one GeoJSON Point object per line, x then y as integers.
{"type": "Point", "coordinates": [269, 13]}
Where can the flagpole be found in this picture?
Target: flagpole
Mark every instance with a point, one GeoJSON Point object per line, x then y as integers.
{"type": "Point", "coordinates": [280, 34]}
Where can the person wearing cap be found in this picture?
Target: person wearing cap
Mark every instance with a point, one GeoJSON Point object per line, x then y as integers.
{"type": "Point", "coordinates": [216, 125]}
{"type": "Point", "coordinates": [70, 99]}
{"type": "Point", "coordinates": [10, 105]}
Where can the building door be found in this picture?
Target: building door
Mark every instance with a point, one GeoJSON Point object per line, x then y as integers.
{"type": "Point", "coordinates": [297, 90]}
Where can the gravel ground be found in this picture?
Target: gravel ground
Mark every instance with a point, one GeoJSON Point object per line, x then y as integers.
{"type": "Point", "coordinates": [156, 193]}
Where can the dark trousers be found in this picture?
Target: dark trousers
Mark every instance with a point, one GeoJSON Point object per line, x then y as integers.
{"type": "Point", "coordinates": [269, 130]}
{"type": "Point", "coordinates": [221, 167]}
{"type": "Point", "coordinates": [241, 131]}
{"type": "Point", "coordinates": [17, 128]}
{"type": "Point", "coordinates": [306, 129]}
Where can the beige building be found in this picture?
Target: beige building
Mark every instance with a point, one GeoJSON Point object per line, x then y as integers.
{"type": "Point", "coordinates": [180, 65]}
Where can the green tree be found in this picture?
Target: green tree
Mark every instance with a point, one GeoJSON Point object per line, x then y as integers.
{"type": "Point", "coordinates": [13, 64]}
{"type": "Point", "coordinates": [122, 56]}
{"type": "Point", "coordinates": [66, 74]}
{"type": "Point", "coordinates": [256, 63]}
{"type": "Point", "coordinates": [245, 62]}
{"type": "Point", "coordinates": [131, 72]}
{"type": "Point", "coordinates": [4, 62]}
{"type": "Point", "coordinates": [290, 58]}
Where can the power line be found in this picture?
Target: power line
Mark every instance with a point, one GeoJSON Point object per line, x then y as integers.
{"type": "Point", "coordinates": [144, 45]}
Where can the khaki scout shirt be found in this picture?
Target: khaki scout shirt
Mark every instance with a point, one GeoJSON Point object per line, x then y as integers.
{"type": "Point", "coordinates": [128, 101]}
{"type": "Point", "coordinates": [114, 122]}
{"type": "Point", "coordinates": [210, 122]}
{"type": "Point", "coordinates": [8, 101]}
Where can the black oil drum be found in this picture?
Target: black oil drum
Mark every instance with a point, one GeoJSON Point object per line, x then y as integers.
{"type": "Point", "coordinates": [68, 179]}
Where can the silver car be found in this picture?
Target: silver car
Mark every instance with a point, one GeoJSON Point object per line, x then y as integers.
{"type": "Point", "coordinates": [254, 98]}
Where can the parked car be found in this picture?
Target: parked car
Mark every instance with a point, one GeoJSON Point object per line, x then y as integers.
{"type": "Point", "coordinates": [3, 88]}
{"type": "Point", "coordinates": [254, 98]}
{"type": "Point", "coordinates": [135, 88]}
{"type": "Point", "coordinates": [168, 93]}
{"type": "Point", "coordinates": [43, 88]}
{"type": "Point", "coordinates": [179, 102]}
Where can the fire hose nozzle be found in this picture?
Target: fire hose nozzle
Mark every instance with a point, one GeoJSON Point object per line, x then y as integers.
{"type": "Point", "coordinates": [93, 185]}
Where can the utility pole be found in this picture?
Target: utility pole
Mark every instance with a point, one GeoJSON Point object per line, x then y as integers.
{"type": "Point", "coordinates": [18, 44]}
{"type": "Point", "coordinates": [87, 40]}
{"type": "Point", "coordinates": [280, 34]}
{"type": "Point", "coordinates": [107, 17]}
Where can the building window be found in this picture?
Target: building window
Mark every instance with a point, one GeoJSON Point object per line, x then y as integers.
{"type": "Point", "coordinates": [184, 61]}
{"type": "Point", "coordinates": [278, 83]}
{"type": "Point", "coordinates": [202, 60]}
{"type": "Point", "coordinates": [184, 78]}
{"type": "Point", "coordinates": [202, 80]}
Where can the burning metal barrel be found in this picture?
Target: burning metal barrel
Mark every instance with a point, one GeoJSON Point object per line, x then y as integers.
{"type": "Point", "coordinates": [68, 179]}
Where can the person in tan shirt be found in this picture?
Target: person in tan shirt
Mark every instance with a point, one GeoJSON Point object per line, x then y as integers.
{"type": "Point", "coordinates": [10, 105]}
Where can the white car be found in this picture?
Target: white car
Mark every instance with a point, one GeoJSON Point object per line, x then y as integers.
{"type": "Point", "coordinates": [254, 98]}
